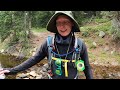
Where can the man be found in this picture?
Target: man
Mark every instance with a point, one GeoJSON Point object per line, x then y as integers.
{"type": "Point", "coordinates": [66, 54]}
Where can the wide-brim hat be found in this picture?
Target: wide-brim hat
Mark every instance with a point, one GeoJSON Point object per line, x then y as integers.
{"type": "Point", "coordinates": [51, 25]}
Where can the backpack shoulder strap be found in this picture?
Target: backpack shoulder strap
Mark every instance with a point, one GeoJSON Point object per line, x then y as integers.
{"type": "Point", "coordinates": [78, 47]}
{"type": "Point", "coordinates": [78, 43]}
{"type": "Point", "coordinates": [50, 43]}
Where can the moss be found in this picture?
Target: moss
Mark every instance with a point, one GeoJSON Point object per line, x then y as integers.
{"type": "Point", "coordinates": [9, 61]}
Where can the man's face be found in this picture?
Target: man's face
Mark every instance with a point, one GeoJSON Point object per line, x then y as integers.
{"type": "Point", "coordinates": [64, 25]}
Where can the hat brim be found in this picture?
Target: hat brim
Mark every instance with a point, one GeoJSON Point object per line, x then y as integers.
{"type": "Point", "coordinates": [51, 25]}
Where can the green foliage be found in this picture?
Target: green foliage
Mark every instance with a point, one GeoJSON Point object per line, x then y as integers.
{"type": "Point", "coordinates": [101, 20]}
{"type": "Point", "coordinates": [79, 16]}
{"type": "Point", "coordinates": [85, 34]}
{"type": "Point", "coordinates": [115, 33]}
{"type": "Point", "coordinates": [99, 27]}
{"type": "Point", "coordinates": [41, 18]}
{"type": "Point", "coordinates": [5, 25]}
{"type": "Point", "coordinates": [106, 15]}
{"type": "Point", "coordinates": [115, 29]}
{"type": "Point", "coordinates": [39, 30]}
{"type": "Point", "coordinates": [13, 25]}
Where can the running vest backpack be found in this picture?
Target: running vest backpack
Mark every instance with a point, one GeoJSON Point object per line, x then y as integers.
{"type": "Point", "coordinates": [79, 64]}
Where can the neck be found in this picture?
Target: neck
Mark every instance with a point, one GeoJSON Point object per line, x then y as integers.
{"type": "Point", "coordinates": [65, 37]}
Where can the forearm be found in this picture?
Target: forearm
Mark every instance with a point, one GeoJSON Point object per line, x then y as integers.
{"type": "Point", "coordinates": [25, 65]}
{"type": "Point", "coordinates": [40, 54]}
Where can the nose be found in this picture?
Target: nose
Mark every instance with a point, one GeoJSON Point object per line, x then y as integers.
{"type": "Point", "coordinates": [61, 26]}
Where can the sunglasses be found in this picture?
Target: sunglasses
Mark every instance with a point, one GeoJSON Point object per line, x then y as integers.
{"type": "Point", "coordinates": [62, 23]}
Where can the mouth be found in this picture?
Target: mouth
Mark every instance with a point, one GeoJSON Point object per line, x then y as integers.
{"type": "Point", "coordinates": [63, 30]}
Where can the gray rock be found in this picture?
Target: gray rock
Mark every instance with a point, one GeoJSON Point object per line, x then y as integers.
{"type": "Point", "coordinates": [21, 75]}
{"type": "Point", "coordinates": [45, 67]}
{"type": "Point", "coordinates": [39, 77]}
{"type": "Point", "coordinates": [101, 34]}
{"type": "Point", "coordinates": [94, 43]}
{"type": "Point", "coordinates": [33, 73]}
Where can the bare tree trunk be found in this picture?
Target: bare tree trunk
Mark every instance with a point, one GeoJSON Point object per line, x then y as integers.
{"type": "Point", "coordinates": [25, 24]}
{"type": "Point", "coordinates": [29, 24]}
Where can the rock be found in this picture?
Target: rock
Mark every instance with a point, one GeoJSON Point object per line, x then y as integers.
{"type": "Point", "coordinates": [31, 77]}
{"type": "Point", "coordinates": [2, 51]}
{"type": "Point", "coordinates": [94, 43]}
{"type": "Point", "coordinates": [118, 74]}
{"type": "Point", "coordinates": [38, 70]}
{"type": "Point", "coordinates": [101, 34]}
{"type": "Point", "coordinates": [39, 77]}
{"type": "Point", "coordinates": [33, 73]}
{"type": "Point", "coordinates": [112, 52]}
{"type": "Point", "coordinates": [45, 76]}
{"type": "Point", "coordinates": [44, 67]}
{"type": "Point", "coordinates": [26, 78]}
{"type": "Point", "coordinates": [21, 75]}
{"type": "Point", "coordinates": [18, 77]}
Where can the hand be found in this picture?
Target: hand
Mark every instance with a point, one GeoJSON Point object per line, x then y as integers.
{"type": "Point", "coordinates": [2, 73]}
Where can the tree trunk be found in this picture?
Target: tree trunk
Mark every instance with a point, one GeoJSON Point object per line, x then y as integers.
{"type": "Point", "coordinates": [29, 24]}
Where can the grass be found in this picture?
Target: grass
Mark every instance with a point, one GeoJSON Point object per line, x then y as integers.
{"type": "Point", "coordinates": [102, 20]}
{"type": "Point", "coordinates": [104, 57]}
{"type": "Point", "coordinates": [90, 34]}
{"type": "Point", "coordinates": [98, 27]}
{"type": "Point", "coordinates": [39, 29]}
{"type": "Point", "coordinates": [9, 61]}
{"type": "Point", "coordinates": [4, 45]}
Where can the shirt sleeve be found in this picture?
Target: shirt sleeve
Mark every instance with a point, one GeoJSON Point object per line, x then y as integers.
{"type": "Point", "coordinates": [84, 56]}
{"type": "Point", "coordinates": [40, 54]}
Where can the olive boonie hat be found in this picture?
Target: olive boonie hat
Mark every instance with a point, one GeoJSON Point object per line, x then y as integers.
{"type": "Point", "coordinates": [51, 26]}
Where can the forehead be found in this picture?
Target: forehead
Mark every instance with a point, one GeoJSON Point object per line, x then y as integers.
{"type": "Point", "coordinates": [62, 17]}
